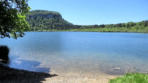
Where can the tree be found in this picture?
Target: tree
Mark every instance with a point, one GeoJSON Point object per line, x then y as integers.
{"type": "Point", "coordinates": [12, 22]}
{"type": "Point", "coordinates": [13, 18]}
{"type": "Point", "coordinates": [4, 52]}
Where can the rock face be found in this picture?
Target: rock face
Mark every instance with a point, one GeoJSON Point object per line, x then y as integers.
{"type": "Point", "coordinates": [42, 19]}
{"type": "Point", "coordinates": [44, 14]}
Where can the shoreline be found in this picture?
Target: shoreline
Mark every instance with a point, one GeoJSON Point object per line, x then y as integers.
{"type": "Point", "coordinates": [91, 31]}
{"type": "Point", "coordinates": [9, 75]}
{"type": "Point", "coordinates": [74, 77]}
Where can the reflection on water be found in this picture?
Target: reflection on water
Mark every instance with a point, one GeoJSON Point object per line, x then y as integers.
{"type": "Point", "coordinates": [111, 53]}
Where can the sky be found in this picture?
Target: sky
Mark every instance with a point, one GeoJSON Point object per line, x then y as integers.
{"type": "Point", "coordinates": [89, 12]}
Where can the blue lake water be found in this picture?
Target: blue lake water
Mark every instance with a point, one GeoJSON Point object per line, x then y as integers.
{"type": "Point", "coordinates": [110, 53]}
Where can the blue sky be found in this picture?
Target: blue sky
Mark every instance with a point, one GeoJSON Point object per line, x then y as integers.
{"type": "Point", "coordinates": [88, 12]}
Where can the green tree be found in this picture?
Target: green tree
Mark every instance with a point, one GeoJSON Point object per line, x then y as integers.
{"type": "Point", "coordinates": [13, 18]}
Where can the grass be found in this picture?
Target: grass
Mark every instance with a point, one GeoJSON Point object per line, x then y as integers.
{"type": "Point", "coordinates": [131, 78]}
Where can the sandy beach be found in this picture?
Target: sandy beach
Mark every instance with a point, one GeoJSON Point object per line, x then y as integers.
{"type": "Point", "coordinates": [9, 75]}
{"type": "Point", "coordinates": [80, 78]}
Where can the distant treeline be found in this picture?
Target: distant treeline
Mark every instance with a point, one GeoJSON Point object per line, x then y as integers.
{"type": "Point", "coordinates": [120, 27]}
{"type": "Point", "coordinates": [41, 20]}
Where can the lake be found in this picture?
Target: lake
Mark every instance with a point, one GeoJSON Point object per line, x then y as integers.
{"type": "Point", "coordinates": [80, 52]}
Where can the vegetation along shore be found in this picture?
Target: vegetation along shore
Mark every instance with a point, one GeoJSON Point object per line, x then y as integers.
{"type": "Point", "coordinates": [42, 20]}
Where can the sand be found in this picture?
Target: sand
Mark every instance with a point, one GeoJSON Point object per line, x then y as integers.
{"type": "Point", "coordinates": [80, 78]}
{"type": "Point", "coordinates": [10, 75]}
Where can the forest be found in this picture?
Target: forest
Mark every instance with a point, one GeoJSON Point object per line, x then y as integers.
{"type": "Point", "coordinates": [42, 20]}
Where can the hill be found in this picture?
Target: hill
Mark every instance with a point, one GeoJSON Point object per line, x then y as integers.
{"type": "Point", "coordinates": [46, 20]}
{"type": "Point", "coordinates": [42, 20]}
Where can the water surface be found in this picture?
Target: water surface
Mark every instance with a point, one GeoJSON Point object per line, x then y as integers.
{"type": "Point", "coordinates": [93, 52]}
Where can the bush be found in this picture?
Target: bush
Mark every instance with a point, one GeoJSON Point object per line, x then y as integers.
{"type": "Point", "coordinates": [131, 78]}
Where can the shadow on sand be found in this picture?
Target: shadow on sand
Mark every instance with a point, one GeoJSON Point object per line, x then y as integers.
{"type": "Point", "coordinates": [11, 75]}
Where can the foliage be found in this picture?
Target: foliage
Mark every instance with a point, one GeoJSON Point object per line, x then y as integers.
{"type": "Point", "coordinates": [12, 18]}
{"type": "Point", "coordinates": [42, 20]}
{"type": "Point", "coordinates": [131, 78]}
{"type": "Point", "coordinates": [120, 27]}
{"type": "Point", "coordinates": [45, 20]}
